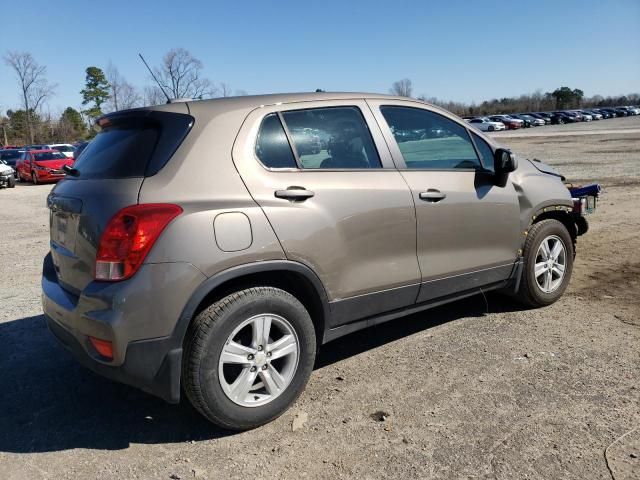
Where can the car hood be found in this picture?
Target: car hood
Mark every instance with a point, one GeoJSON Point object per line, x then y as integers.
{"type": "Point", "coordinates": [544, 168]}
{"type": "Point", "coordinates": [55, 164]}
{"type": "Point", "coordinates": [5, 168]}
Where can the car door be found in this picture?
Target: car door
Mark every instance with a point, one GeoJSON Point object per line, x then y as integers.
{"type": "Point", "coordinates": [324, 177]}
{"type": "Point", "coordinates": [25, 165]}
{"type": "Point", "coordinates": [468, 227]}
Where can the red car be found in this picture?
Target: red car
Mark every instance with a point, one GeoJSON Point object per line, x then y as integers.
{"type": "Point", "coordinates": [42, 166]}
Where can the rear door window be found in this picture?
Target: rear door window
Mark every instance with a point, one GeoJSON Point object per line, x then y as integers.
{"type": "Point", "coordinates": [272, 147]}
{"type": "Point", "coordinates": [331, 138]}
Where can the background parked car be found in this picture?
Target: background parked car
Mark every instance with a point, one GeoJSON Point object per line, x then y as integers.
{"type": "Point", "coordinates": [10, 157]}
{"type": "Point", "coordinates": [7, 180]}
{"type": "Point", "coordinates": [65, 148]}
{"type": "Point", "coordinates": [533, 121]}
{"type": "Point", "coordinates": [508, 121]}
{"type": "Point", "coordinates": [42, 166]}
{"type": "Point", "coordinates": [594, 115]}
{"type": "Point", "coordinates": [546, 120]}
{"type": "Point", "coordinates": [486, 125]}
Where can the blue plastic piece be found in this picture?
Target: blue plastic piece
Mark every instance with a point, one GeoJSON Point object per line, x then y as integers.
{"type": "Point", "coordinates": [593, 189]}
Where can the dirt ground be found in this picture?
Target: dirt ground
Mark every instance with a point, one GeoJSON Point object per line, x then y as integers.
{"type": "Point", "coordinates": [477, 389]}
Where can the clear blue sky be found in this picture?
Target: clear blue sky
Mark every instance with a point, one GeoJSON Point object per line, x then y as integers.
{"type": "Point", "coordinates": [453, 50]}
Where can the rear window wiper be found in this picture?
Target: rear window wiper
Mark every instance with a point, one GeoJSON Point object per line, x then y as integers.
{"type": "Point", "coordinates": [69, 170]}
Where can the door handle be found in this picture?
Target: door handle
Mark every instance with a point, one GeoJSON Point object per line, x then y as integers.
{"type": "Point", "coordinates": [295, 194]}
{"type": "Point", "coordinates": [432, 195]}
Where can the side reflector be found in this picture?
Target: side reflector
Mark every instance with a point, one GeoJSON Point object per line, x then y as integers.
{"type": "Point", "coordinates": [103, 347]}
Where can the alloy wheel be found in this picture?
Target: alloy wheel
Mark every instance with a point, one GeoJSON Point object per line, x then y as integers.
{"type": "Point", "coordinates": [259, 360]}
{"type": "Point", "coordinates": [550, 264]}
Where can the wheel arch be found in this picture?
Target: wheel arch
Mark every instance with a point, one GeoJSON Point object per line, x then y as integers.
{"type": "Point", "coordinates": [293, 277]}
{"type": "Point", "coordinates": [561, 213]}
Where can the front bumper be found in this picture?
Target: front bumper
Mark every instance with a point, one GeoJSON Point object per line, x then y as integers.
{"type": "Point", "coordinates": [138, 316]}
{"type": "Point", "coordinates": [45, 176]}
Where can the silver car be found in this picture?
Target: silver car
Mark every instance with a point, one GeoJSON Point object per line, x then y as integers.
{"type": "Point", "coordinates": [212, 247]}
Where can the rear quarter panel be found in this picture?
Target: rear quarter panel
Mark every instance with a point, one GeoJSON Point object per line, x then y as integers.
{"type": "Point", "coordinates": [202, 179]}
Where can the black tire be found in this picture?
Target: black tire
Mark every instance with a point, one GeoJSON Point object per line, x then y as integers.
{"type": "Point", "coordinates": [11, 183]}
{"type": "Point", "coordinates": [20, 180]}
{"type": "Point", "coordinates": [206, 338]}
{"type": "Point", "coordinates": [34, 178]}
{"type": "Point", "coordinates": [491, 129]}
{"type": "Point", "coordinates": [530, 292]}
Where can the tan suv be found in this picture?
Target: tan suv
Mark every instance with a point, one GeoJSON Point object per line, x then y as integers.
{"type": "Point", "coordinates": [216, 245]}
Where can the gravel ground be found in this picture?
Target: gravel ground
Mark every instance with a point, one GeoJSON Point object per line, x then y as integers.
{"type": "Point", "coordinates": [476, 389]}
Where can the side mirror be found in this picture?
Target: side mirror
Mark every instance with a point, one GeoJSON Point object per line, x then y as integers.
{"type": "Point", "coordinates": [504, 163]}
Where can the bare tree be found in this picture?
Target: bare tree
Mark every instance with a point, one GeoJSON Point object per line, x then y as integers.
{"type": "Point", "coordinates": [402, 88]}
{"type": "Point", "coordinates": [123, 94]}
{"type": "Point", "coordinates": [129, 96]}
{"type": "Point", "coordinates": [181, 76]}
{"type": "Point", "coordinates": [33, 84]}
{"type": "Point", "coordinates": [225, 90]}
{"type": "Point", "coordinates": [153, 96]}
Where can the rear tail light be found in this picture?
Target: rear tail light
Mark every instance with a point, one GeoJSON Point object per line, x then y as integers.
{"type": "Point", "coordinates": [129, 236]}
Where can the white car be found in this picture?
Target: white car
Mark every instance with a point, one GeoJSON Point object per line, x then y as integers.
{"type": "Point", "coordinates": [594, 115]}
{"type": "Point", "coordinates": [65, 148]}
{"type": "Point", "coordinates": [7, 178]}
{"type": "Point", "coordinates": [486, 125]}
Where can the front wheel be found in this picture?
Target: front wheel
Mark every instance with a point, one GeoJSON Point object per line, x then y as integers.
{"type": "Point", "coordinates": [248, 357]}
{"type": "Point", "coordinates": [34, 178]}
{"type": "Point", "coordinates": [491, 129]}
{"type": "Point", "coordinates": [548, 262]}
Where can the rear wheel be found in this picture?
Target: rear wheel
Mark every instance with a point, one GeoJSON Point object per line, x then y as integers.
{"type": "Point", "coordinates": [248, 357]}
{"type": "Point", "coordinates": [34, 178]}
{"type": "Point", "coordinates": [11, 182]}
{"type": "Point", "coordinates": [548, 262]}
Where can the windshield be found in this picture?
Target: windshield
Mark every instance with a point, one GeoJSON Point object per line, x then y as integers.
{"type": "Point", "coordinates": [39, 157]}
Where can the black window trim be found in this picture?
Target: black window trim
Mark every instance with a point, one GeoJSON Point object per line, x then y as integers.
{"type": "Point", "coordinates": [292, 145]}
{"type": "Point", "coordinates": [299, 167]}
{"type": "Point", "coordinates": [482, 163]}
{"type": "Point", "coordinates": [404, 168]}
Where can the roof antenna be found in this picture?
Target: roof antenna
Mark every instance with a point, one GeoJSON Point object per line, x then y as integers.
{"type": "Point", "coordinates": [154, 77]}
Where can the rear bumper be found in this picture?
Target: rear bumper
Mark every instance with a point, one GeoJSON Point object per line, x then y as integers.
{"type": "Point", "coordinates": [151, 365]}
{"type": "Point", "coordinates": [138, 316]}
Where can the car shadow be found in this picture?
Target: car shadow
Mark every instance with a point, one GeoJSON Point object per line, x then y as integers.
{"type": "Point", "coordinates": [50, 403]}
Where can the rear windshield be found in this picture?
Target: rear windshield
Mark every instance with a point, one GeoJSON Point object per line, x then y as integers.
{"type": "Point", "coordinates": [133, 146]}
{"type": "Point", "coordinates": [41, 157]}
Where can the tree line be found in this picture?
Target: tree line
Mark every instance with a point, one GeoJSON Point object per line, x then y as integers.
{"type": "Point", "coordinates": [179, 74]}
{"type": "Point", "coordinates": [562, 98]}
